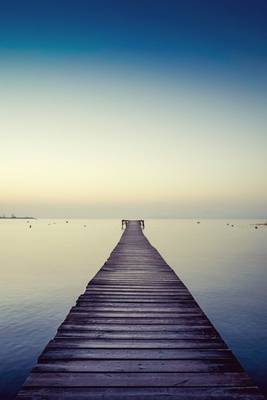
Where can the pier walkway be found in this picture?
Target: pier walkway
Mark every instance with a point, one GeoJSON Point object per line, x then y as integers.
{"type": "Point", "coordinates": [137, 333]}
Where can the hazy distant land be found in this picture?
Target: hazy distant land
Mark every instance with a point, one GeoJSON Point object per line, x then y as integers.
{"type": "Point", "coordinates": [12, 216]}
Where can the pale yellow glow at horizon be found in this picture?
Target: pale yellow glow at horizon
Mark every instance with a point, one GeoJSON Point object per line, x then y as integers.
{"type": "Point", "coordinates": [110, 141]}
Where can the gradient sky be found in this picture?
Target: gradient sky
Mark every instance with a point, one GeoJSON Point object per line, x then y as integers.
{"type": "Point", "coordinates": [133, 108]}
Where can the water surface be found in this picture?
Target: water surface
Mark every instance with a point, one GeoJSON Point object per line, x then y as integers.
{"type": "Point", "coordinates": [46, 267]}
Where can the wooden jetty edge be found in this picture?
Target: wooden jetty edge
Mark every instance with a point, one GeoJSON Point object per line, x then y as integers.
{"type": "Point", "coordinates": [137, 333]}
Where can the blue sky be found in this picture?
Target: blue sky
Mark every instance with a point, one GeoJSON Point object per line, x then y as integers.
{"type": "Point", "coordinates": [210, 32]}
{"type": "Point", "coordinates": [152, 108]}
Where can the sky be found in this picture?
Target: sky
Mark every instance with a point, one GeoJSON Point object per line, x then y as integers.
{"type": "Point", "coordinates": [132, 109]}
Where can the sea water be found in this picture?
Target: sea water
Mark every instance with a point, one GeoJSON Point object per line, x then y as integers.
{"type": "Point", "coordinates": [46, 267]}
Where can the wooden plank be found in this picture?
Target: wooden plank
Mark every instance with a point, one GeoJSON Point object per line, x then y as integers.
{"type": "Point", "coordinates": [55, 353]}
{"type": "Point", "coordinates": [77, 334]}
{"type": "Point", "coordinates": [136, 298]}
{"type": "Point", "coordinates": [162, 322]}
{"type": "Point", "coordinates": [138, 312]}
{"type": "Point", "coordinates": [135, 287]}
{"type": "Point", "coordinates": [139, 343]}
{"type": "Point", "coordinates": [136, 379]}
{"type": "Point", "coordinates": [83, 303]}
{"type": "Point", "coordinates": [139, 366]}
{"type": "Point", "coordinates": [123, 291]}
{"type": "Point", "coordinates": [133, 297]}
{"type": "Point", "coordinates": [123, 322]}
{"type": "Point", "coordinates": [133, 307]}
{"type": "Point", "coordinates": [142, 294]}
{"type": "Point", "coordinates": [144, 393]}
{"type": "Point", "coordinates": [66, 326]}
{"type": "Point", "coordinates": [127, 326]}
{"type": "Point", "coordinates": [148, 321]}
{"type": "Point", "coordinates": [183, 323]}
{"type": "Point", "coordinates": [120, 306]}
{"type": "Point", "coordinates": [137, 283]}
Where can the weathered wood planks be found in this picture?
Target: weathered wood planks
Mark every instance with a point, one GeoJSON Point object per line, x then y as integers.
{"type": "Point", "coordinates": [137, 333]}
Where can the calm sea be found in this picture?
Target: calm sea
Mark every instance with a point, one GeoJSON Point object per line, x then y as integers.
{"type": "Point", "coordinates": [46, 267]}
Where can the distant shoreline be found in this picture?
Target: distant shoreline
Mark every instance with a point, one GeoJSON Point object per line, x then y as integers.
{"type": "Point", "coordinates": [17, 218]}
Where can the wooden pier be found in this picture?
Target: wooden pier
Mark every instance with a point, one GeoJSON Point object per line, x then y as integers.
{"type": "Point", "coordinates": [137, 333]}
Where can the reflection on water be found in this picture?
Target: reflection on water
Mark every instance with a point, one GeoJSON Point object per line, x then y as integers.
{"type": "Point", "coordinates": [225, 269]}
{"type": "Point", "coordinates": [45, 268]}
